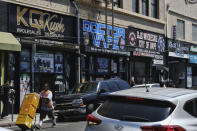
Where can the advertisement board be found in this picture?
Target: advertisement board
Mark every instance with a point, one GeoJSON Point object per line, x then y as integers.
{"type": "Point", "coordinates": [102, 65]}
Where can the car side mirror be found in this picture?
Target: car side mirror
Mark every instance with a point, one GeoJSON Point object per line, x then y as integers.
{"type": "Point", "coordinates": [101, 91]}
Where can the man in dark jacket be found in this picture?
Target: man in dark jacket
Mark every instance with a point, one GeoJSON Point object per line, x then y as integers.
{"type": "Point", "coordinates": [5, 98]}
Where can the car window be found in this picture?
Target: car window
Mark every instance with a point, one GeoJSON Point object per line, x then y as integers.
{"type": "Point", "coordinates": [87, 87]}
{"type": "Point", "coordinates": [135, 110]}
{"type": "Point", "coordinates": [104, 86]}
{"type": "Point", "coordinates": [190, 107]}
{"type": "Point", "coordinates": [112, 86]}
{"type": "Point", "coordinates": [122, 84]}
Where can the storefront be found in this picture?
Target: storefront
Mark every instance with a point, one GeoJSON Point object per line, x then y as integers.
{"type": "Point", "coordinates": [48, 50]}
{"type": "Point", "coordinates": [147, 55]}
{"type": "Point", "coordinates": [101, 59]}
{"type": "Point", "coordinates": [177, 61]}
{"type": "Point", "coordinates": [192, 67]}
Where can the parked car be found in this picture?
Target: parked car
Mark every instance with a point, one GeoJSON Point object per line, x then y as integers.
{"type": "Point", "coordinates": [160, 109]}
{"type": "Point", "coordinates": [86, 98]}
{"type": "Point", "coordinates": [148, 85]}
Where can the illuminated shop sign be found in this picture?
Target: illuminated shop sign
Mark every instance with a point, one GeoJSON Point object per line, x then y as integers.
{"type": "Point", "coordinates": [97, 32]}
{"type": "Point", "coordinates": [30, 21]}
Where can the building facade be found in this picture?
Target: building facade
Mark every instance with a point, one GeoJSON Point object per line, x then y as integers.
{"type": "Point", "coordinates": [181, 21]}
{"type": "Point", "coordinates": [124, 41]}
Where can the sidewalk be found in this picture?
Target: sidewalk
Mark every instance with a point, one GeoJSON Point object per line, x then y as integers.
{"type": "Point", "coordinates": [7, 121]}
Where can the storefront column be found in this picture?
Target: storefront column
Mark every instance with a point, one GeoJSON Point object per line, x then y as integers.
{"type": "Point", "coordinates": [2, 67]}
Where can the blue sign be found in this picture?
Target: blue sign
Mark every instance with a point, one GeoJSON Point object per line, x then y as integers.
{"type": "Point", "coordinates": [98, 33]}
{"type": "Point", "coordinates": [192, 58]}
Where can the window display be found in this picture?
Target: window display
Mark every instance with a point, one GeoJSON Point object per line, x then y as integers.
{"type": "Point", "coordinates": [25, 61]}
{"type": "Point", "coordinates": [58, 63]}
{"type": "Point", "coordinates": [102, 65]}
{"type": "Point", "coordinates": [44, 62]}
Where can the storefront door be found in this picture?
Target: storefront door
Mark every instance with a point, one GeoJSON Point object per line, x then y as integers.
{"type": "Point", "coordinates": [42, 78]}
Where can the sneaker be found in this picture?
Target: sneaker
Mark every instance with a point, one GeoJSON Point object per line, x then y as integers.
{"type": "Point", "coordinates": [54, 124]}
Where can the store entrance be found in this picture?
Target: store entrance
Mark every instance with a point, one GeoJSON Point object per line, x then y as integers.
{"type": "Point", "coordinates": [41, 79]}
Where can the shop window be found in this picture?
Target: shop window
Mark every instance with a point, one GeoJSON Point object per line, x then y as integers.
{"type": "Point", "coordinates": [180, 29]}
{"type": "Point", "coordinates": [145, 7]}
{"type": "Point", "coordinates": [102, 65]}
{"type": "Point", "coordinates": [25, 61]}
{"type": "Point", "coordinates": [44, 62]}
{"type": "Point", "coordinates": [122, 65]}
{"type": "Point", "coordinates": [58, 63]}
{"type": "Point", "coordinates": [114, 68]}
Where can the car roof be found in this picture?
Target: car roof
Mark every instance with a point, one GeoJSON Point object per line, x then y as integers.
{"type": "Point", "coordinates": [146, 84]}
{"type": "Point", "coordinates": [168, 94]}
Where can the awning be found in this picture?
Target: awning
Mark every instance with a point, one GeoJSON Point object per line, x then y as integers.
{"type": "Point", "coordinates": [9, 42]}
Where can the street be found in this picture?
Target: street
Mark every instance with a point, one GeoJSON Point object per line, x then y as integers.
{"type": "Point", "coordinates": [61, 126]}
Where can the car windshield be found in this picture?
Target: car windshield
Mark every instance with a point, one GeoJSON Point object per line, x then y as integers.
{"type": "Point", "coordinates": [87, 87]}
{"type": "Point", "coordinates": [136, 110]}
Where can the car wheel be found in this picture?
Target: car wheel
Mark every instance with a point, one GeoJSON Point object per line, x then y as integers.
{"type": "Point", "coordinates": [90, 108]}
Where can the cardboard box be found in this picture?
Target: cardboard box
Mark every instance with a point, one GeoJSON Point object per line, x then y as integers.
{"type": "Point", "coordinates": [28, 110]}
{"type": "Point", "coordinates": [31, 99]}
{"type": "Point", "coordinates": [24, 121]}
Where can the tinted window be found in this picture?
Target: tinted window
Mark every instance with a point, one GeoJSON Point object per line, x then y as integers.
{"type": "Point", "coordinates": [122, 85]}
{"type": "Point", "coordinates": [87, 88]}
{"type": "Point", "coordinates": [122, 108]}
{"type": "Point", "coordinates": [190, 107]}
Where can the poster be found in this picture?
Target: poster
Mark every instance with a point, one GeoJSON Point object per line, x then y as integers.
{"type": "Point", "coordinates": [43, 62]}
{"type": "Point", "coordinates": [24, 86]}
{"type": "Point", "coordinates": [58, 63]}
{"type": "Point", "coordinates": [102, 65]}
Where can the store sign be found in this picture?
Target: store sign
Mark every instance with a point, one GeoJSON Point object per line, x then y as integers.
{"type": "Point", "coordinates": [97, 33]}
{"type": "Point", "coordinates": [193, 48]}
{"type": "Point", "coordinates": [146, 44]}
{"type": "Point", "coordinates": [193, 59]}
{"type": "Point", "coordinates": [178, 49]}
{"type": "Point", "coordinates": [137, 38]}
{"type": "Point", "coordinates": [25, 20]}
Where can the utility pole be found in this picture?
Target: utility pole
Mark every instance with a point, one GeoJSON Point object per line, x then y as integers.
{"type": "Point", "coordinates": [78, 42]}
{"type": "Point", "coordinates": [106, 22]}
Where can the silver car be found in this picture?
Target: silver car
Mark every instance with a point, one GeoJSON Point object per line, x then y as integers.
{"type": "Point", "coordinates": [139, 109]}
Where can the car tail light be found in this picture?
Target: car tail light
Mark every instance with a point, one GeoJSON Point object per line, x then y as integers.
{"type": "Point", "coordinates": [162, 128]}
{"type": "Point", "coordinates": [92, 120]}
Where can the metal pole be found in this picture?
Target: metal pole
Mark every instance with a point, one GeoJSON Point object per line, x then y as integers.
{"type": "Point", "coordinates": [78, 41]}
{"type": "Point", "coordinates": [112, 22]}
{"type": "Point", "coordinates": [32, 65]}
{"type": "Point", "coordinates": [106, 22]}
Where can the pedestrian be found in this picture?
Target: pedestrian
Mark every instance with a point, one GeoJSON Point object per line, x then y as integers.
{"type": "Point", "coordinates": [162, 85]}
{"type": "Point", "coordinates": [132, 81]}
{"type": "Point", "coordinates": [6, 108]}
{"type": "Point", "coordinates": [46, 105]}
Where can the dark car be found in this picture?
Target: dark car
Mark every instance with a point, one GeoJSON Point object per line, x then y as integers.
{"type": "Point", "coordinates": [86, 98]}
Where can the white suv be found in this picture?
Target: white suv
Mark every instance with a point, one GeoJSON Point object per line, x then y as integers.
{"type": "Point", "coordinates": [159, 109]}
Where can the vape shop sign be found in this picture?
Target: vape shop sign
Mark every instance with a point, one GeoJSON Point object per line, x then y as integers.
{"type": "Point", "coordinates": [146, 44]}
